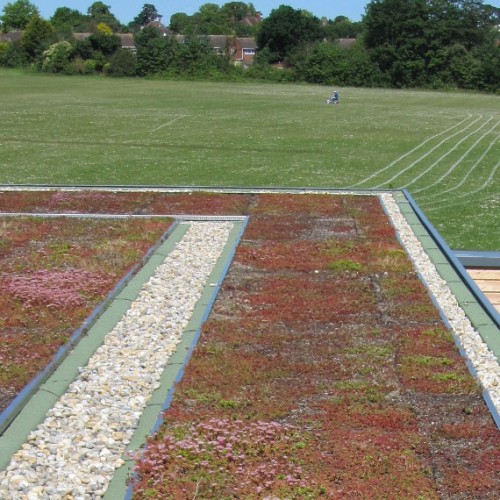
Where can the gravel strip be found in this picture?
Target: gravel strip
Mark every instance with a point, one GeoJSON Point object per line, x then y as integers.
{"type": "Point", "coordinates": [75, 451]}
{"type": "Point", "coordinates": [482, 359]}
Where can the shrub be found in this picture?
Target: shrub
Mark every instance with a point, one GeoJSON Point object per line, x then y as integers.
{"type": "Point", "coordinates": [56, 58]}
{"type": "Point", "coordinates": [11, 55]}
{"type": "Point", "coordinates": [89, 66]}
{"type": "Point", "coordinates": [122, 63]}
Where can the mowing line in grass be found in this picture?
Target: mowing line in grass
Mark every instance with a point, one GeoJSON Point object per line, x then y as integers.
{"type": "Point", "coordinates": [418, 160]}
{"type": "Point", "coordinates": [464, 179]}
{"type": "Point", "coordinates": [408, 153]}
{"type": "Point", "coordinates": [419, 176]}
{"type": "Point", "coordinates": [466, 195]}
{"type": "Point", "coordinates": [168, 123]}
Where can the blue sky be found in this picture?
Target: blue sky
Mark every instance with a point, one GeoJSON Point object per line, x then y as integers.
{"type": "Point", "coordinates": [126, 10]}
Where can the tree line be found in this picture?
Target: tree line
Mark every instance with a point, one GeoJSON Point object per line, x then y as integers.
{"type": "Point", "coordinates": [399, 43]}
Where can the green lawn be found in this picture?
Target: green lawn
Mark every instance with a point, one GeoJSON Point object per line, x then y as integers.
{"type": "Point", "coordinates": [443, 147]}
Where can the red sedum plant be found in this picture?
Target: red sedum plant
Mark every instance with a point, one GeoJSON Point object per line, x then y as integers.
{"type": "Point", "coordinates": [322, 328]}
{"type": "Point", "coordinates": [53, 273]}
{"type": "Point", "coordinates": [323, 370]}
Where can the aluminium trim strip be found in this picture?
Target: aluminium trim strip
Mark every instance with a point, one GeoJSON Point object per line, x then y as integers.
{"type": "Point", "coordinates": [189, 189]}
{"type": "Point", "coordinates": [478, 259]}
{"type": "Point", "coordinates": [208, 218]}
{"type": "Point", "coordinates": [454, 262]}
{"type": "Point", "coordinates": [8, 415]}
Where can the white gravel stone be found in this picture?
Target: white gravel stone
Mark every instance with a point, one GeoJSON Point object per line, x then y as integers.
{"type": "Point", "coordinates": [75, 451]}
{"type": "Point", "coordinates": [481, 358]}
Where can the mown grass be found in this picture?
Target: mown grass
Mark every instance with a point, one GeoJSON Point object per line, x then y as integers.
{"type": "Point", "coordinates": [443, 147]}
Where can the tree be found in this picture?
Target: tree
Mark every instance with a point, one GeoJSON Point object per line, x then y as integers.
{"type": "Point", "coordinates": [36, 38]}
{"type": "Point", "coordinates": [181, 23]}
{"type": "Point", "coordinates": [214, 20]}
{"type": "Point", "coordinates": [330, 64]}
{"type": "Point", "coordinates": [104, 43]}
{"type": "Point", "coordinates": [100, 13]}
{"type": "Point", "coordinates": [285, 30]}
{"type": "Point", "coordinates": [66, 20]}
{"type": "Point", "coordinates": [104, 29]}
{"type": "Point", "coordinates": [11, 54]}
{"type": "Point", "coordinates": [342, 27]}
{"type": "Point", "coordinates": [154, 52]}
{"type": "Point", "coordinates": [210, 20]}
{"type": "Point", "coordinates": [147, 15]}
{"type": "Point", "coordinates": [236, 11]}
{"type": "Point", "coordinates": [17, 15]}
{"type": "Point", "coordinates": [430, 42]}
{"type": "Point", "coordinates": [396, 34]}
{"type": "Point", "coordinates": [122, 63]}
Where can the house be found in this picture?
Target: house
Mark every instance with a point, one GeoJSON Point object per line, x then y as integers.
{"type": "Point", "coordinates": [250, 20]}
{"type": "Point", "coordinates": [11, 36]}
{"type": "Point", "coordinates": [126, 39]}
{"type": "Point", "coordinates": [157, 24]}
{"type": "Point", "coordinates": [241, 50]}
{"type": "Point", "coordinates": [346, 43]}
{"type": "Point", "coordinates": [220, 43]}
{"type": "Point", "coordinates": [244, 50]}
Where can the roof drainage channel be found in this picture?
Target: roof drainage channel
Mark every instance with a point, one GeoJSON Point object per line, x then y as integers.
{"type": "Point", "coordinates": [479, 309]}
{"type": "Point", "coordinates": [43, 397]}
{"type": "Point", "coordinates": [483, 364]}
{"type": "Point", "coordinates": [152, 417]}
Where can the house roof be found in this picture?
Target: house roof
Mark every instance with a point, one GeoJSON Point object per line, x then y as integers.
{"type": "Point", "coordinates": [11, 36]}
{"type": "Point", "coordinates": [218, 40]}
{"type": "Point", "coordinates": [127, 39]}
{"type": "Point", "coordinates": [222, 41]}
{"type": "Point", "coordinates": [247, 43]}
{"type": "Point", "coordinates": [159, 26]}
{"type": "Point", "coordinates": [81, 36]}
{"type": "Point", "coordinates": [430, 245]}
{"type": "Point", "coordinates": [346, 43]}
{"type": "Point", "coordinates": [251, 20]}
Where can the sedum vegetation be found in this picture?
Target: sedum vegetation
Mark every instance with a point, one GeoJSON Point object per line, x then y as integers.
{"type": "Point", "coordinates": [399, 43]}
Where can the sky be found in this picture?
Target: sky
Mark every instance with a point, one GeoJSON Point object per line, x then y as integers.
{"type": "Point", "coordinates": [126, 10]}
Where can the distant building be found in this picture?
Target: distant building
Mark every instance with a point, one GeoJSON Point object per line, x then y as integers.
{"type": "Point", "coordinates": [244, 50]}
{"type": "Point", "coordinates": [241, 50]}
{"type": "Point", "coordinates": [346, 43]}
{"type": "Point", "coordinates": [11, 36]}
{"type": "Point", "coordinates": [126, 39]}
{"type": "Point", "coordinates": [250, 20]}
{"type": "Point", "coordinates": [156, 23]}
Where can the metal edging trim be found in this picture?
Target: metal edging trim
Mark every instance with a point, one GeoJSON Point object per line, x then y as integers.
{"type": "Point", "coordinates": [20, 401]}
{"type": "Point", "coordinates": [115, 489]}
{"type": "Point", "coordinates": [454, 261]}
{"type": "Point", "coordinates": [434, 234]}
{"type": "Point", "coordinates": [478, 259]}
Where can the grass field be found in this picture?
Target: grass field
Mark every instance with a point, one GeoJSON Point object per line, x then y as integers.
{"type": "Point", "coordinates": [442, 147]}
